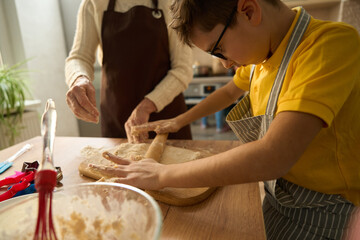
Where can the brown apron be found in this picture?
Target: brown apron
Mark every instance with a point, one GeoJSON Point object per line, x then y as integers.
{"type": "Point", "coordinates": [135, 59]}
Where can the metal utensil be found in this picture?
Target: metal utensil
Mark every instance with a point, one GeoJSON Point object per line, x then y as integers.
{"type": "Point", "coordinates": [9, 162]}
{"type": "Point", "coordinates": [45, 179]}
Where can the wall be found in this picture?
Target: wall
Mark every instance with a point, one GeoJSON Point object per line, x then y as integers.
{"type": "Point", "coordinates": [349, 13]}
{"type": "Point", "coordinates": [36, 33]}
{"type": "Point", "coordinates": [11, 45]}
{"type": "Point", "coordinates": [68, 11]}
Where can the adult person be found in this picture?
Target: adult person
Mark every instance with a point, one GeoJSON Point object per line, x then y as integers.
{"type": "Point", "coordinates": [145, 68]}
{"type": "Point", "coordinates": [299, 125]}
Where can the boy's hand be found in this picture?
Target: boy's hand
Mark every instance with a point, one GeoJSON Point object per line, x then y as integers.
{"type": "Point", "coordinates": [144, 174]}
{"type": "Point", "coordinates": [160, 127]}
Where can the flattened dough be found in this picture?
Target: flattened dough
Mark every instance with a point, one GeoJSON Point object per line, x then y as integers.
{"type": "Point", "coordinates": [172, 196]}
{"type": "Point", "coordinates": [134, 152]}
{"type": "Point", "coordinates": [137, 151]}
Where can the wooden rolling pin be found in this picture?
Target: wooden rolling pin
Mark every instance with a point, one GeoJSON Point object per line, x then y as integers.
{"type": "Point", "coordinates": [157, 147]}
{"type": "Point", "coordinates": [174, 196]}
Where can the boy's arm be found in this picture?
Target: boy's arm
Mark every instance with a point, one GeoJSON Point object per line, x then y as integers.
{"type": "Point", "coordinates": [269, 158]}
{"type": "Point", "coordinates": [216, 101]}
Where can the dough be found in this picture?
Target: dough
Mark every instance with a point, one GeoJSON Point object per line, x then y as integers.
{"type": "Point", "coordinates": [171, 196]}
{"type": "Point", "coordinates": [134, 152]}
{"type": "Point", "coordinates": [170, 155]}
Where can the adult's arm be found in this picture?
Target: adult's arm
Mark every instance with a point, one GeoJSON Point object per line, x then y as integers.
{"type": "Point", "coordinates": [179, 75]}
{"type": "Point", "coordinates": [79, 65]}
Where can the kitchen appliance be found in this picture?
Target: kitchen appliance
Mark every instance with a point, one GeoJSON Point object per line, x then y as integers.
{"type": "Point", "coordinates": [200, 87]}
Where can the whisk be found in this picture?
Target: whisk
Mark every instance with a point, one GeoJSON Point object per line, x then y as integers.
{"type": "Point", "coordinates": [45, 179]}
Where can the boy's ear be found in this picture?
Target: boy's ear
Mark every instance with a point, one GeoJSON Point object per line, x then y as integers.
{"type": "Point", "coordinates": [250, 10]}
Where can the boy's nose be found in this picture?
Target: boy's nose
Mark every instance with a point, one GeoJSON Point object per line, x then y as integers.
{"type": "Point", "coordinates": [227, 63]}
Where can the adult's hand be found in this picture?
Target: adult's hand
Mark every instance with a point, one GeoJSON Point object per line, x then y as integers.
{"type": "Point", "coordinates": [81, 100]}
{"type": "Point", "coordinates": [144, 174]}
{"type": "Point", "coordinates": [139, 115]}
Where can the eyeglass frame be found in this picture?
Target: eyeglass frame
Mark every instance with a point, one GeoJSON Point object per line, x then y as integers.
{"type": "Point", "coordinates": [220, 55]}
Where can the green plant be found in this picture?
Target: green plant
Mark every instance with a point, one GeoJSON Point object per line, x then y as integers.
{"type": "Point", "coordinates": [13, 91]}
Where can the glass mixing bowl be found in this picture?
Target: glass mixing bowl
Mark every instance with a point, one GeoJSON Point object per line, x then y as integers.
{"type": "Point", "coordinates": [87, 211]}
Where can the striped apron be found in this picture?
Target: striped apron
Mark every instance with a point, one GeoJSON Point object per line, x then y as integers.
{"type": "Point", "coordinates": [290, 211]}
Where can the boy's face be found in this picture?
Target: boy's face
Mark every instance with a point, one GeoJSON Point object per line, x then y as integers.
{"type": "Point", "coordinates": [244, 43]}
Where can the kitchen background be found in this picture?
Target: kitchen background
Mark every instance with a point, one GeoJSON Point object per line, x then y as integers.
{"type": "Point", "coordinates": [43, 31]}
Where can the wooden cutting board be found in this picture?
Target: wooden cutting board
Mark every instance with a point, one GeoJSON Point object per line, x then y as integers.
{"type": "Point", "coordinates": [171, 196]}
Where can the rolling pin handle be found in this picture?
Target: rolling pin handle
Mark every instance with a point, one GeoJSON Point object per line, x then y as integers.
{"type": "Point", "coordinates": [157, 147]}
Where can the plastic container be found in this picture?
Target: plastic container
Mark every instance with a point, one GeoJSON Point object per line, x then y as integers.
{"type": "Point", "coordinates": [87, 211]}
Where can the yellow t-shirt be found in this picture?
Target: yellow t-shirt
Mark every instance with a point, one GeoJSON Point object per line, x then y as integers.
{"type": "Point", "coordinates": [323, 79]}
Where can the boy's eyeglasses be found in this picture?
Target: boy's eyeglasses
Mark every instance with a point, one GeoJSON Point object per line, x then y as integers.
{"type": "Point", "coordinates": [217, 54]}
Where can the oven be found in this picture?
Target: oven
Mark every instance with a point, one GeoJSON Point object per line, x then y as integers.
{"type": "Point", "coordinates": [201, 87]}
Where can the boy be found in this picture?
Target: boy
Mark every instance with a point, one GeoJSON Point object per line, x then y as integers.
{"type": "Point", "coordinates": [299, 125]}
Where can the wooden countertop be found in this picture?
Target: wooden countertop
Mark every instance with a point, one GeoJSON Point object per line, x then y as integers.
{"type": "Point", "coordinates": [231, 212]}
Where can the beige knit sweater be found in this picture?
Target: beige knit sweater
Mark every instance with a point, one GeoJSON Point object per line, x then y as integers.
{"type": "Point", "coordinates": [87, 42]}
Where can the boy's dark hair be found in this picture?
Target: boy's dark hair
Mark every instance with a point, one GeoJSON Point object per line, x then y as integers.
{"type": "Point", "coordinates": [206, 14]}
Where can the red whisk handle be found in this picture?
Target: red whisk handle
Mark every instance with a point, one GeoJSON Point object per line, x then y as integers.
{"type": "Point", "coordinates": [45, 180]}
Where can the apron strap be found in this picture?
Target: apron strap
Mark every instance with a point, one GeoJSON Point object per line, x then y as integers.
{"type": "Point", "coordinates": [252, 74]}
{"type": "Point", "coordinates": [295, 39]}
{"type": "Point", "coordinates": [111, 5]}
{"type": "Point", "coordinates": [155, 3]}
